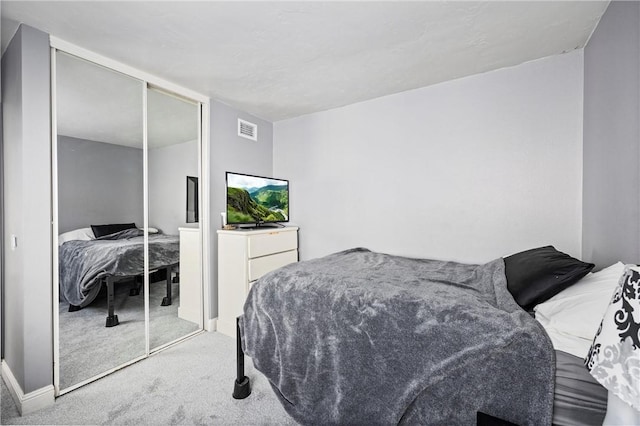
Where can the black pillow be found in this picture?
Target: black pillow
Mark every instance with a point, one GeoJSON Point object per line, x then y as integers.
{"type": "Point", "coordinates": [102, 230]}
{"type": "Point", "coordinates": [536, 275]}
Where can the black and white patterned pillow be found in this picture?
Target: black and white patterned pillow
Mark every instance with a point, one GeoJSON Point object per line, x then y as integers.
{"type": "Point", "coordinates": [614, 356]}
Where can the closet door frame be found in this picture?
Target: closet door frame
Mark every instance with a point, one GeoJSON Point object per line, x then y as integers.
{"type": "Point", "coordinates": [147, 81]}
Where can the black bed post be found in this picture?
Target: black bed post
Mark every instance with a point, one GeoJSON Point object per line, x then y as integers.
{"type": "Point", "coordinates": [166, 301]}
{"type": "Point", "coordinates": [112, 319]}
{"type": "Point", "coordinates": [242, 385]}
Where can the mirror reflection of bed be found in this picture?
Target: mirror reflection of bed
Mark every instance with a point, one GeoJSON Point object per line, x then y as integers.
{"type": "Point", "coordinates": [101, 218]}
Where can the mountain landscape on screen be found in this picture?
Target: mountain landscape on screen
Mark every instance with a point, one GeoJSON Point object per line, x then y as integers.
{"type": "Point", "coordinates": [263, 200]}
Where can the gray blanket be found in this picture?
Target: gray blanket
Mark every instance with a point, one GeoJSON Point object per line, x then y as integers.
{"type": "Point", "coordinates": [83, 264]}
{"type": "Point", "coordinates": [359, 337]}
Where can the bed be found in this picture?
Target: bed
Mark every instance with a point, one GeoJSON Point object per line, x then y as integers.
{"type": "Point", "coordinates": [359, 337]}
{"type": "Point", "coordinates": [92, 258]}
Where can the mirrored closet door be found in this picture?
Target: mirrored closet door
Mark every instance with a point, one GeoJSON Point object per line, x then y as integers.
{"type": "Point", "coordinates": [121, 215]}
{"type": "Point", "coordinates": [175, 300]}
{"type": "Point", "coordinates": [100, 182]}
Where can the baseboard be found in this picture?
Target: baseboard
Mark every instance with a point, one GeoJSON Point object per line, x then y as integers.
{"type": "Point", "coordinates": [211, 324]}
{"type": "Point", "coordinates": [30, 402]}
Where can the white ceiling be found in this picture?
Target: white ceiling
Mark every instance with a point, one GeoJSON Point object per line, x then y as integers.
{"type": "Point", "coordinates": [99, 104]}
{"type": "Point", "coordinates": [279, 60]}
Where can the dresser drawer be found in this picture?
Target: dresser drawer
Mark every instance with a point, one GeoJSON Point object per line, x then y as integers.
{"type": "Point", "coordinates": [272, 242]}
{"type": "Point", "coordinates": [262, 265]}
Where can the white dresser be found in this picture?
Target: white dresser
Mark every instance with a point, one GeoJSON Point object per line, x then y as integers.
{"type": "Point", "coordinates": [190, 308]}
{"type": "Point", "coordinates": [243, 257]}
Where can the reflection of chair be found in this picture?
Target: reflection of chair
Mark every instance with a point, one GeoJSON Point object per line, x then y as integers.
{"type": "Point", "coordinates": [112, 319]}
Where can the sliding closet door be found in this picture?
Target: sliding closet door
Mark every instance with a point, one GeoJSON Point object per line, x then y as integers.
{"type": "Point", "coordinates": [175, 290]}
{"type": "Point", "coordinates": [99, 120]}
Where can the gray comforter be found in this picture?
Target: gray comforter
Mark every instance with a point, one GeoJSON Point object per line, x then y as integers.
{"type": "Point", "coordinates": [82, 264]}
{"type": "Point", "coordinates": [359, 337]}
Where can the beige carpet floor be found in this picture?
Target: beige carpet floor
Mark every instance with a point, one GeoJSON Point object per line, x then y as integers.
{"type": "Point", "coordinates": [187, 384]}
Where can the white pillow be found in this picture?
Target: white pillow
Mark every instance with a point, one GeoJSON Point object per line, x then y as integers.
{"type": "Point", "coordinates": [83, 234]}
{"type": "Point", "coordinates": [151, 230]}
{"type": "Point", "coordinates": [572, 317]}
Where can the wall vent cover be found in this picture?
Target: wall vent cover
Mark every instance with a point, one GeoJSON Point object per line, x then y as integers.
{"type": "Point", "coordinates": [247, 130]}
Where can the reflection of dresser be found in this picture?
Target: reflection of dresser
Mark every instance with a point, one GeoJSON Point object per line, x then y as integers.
{"type": "Point", "coordinates": [190, 308]}
{"type": "Point", "coordinates": [243, 257]}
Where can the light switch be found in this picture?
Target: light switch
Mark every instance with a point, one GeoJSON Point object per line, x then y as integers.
{"type": "Point", "coordinates": [14, 242]}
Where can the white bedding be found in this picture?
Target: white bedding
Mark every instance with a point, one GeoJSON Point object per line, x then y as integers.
{"type": "Point", "coordinates": [572, 317]}
{"type": "Point", "coordinates": [82, 234]}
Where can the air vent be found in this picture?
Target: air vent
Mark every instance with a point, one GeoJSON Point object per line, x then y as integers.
{"type": "Point", "coordinates": [247, 130]}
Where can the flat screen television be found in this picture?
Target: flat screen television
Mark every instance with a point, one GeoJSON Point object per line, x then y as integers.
{"type": "Point", "coordinates": [256, 200]}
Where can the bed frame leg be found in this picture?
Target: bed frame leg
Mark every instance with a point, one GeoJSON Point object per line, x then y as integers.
{"type": "Point", "coordinates": [136, 286]}
{"type": "Point", "coordinates": [112, 320]}
{"type": "Point", "coordinates": [242, 385]}
{"type": "Point", "coordinates": [166, 301]}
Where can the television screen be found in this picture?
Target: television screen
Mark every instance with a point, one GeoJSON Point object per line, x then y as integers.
{"type": "Point", "coordinates": [256, 199]}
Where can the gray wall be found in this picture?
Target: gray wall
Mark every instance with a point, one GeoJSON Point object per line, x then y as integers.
{"type": "Point", "coordinates": [468, 170]}
{"type": "Point", "coordinates": [98, 183]}
{"type": "Point", "coordinates": [12, 137]}
{"type": "Point", "coordinates": [1, 238]}
{"type": "Point", "coordinates": [27, 209]}
{"type": "Point", "coordinates": [168, 171]}
{"type": "Point", "coordinates": [611, 207]}
{"type": "Point", "coordinates": [229, 152]}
